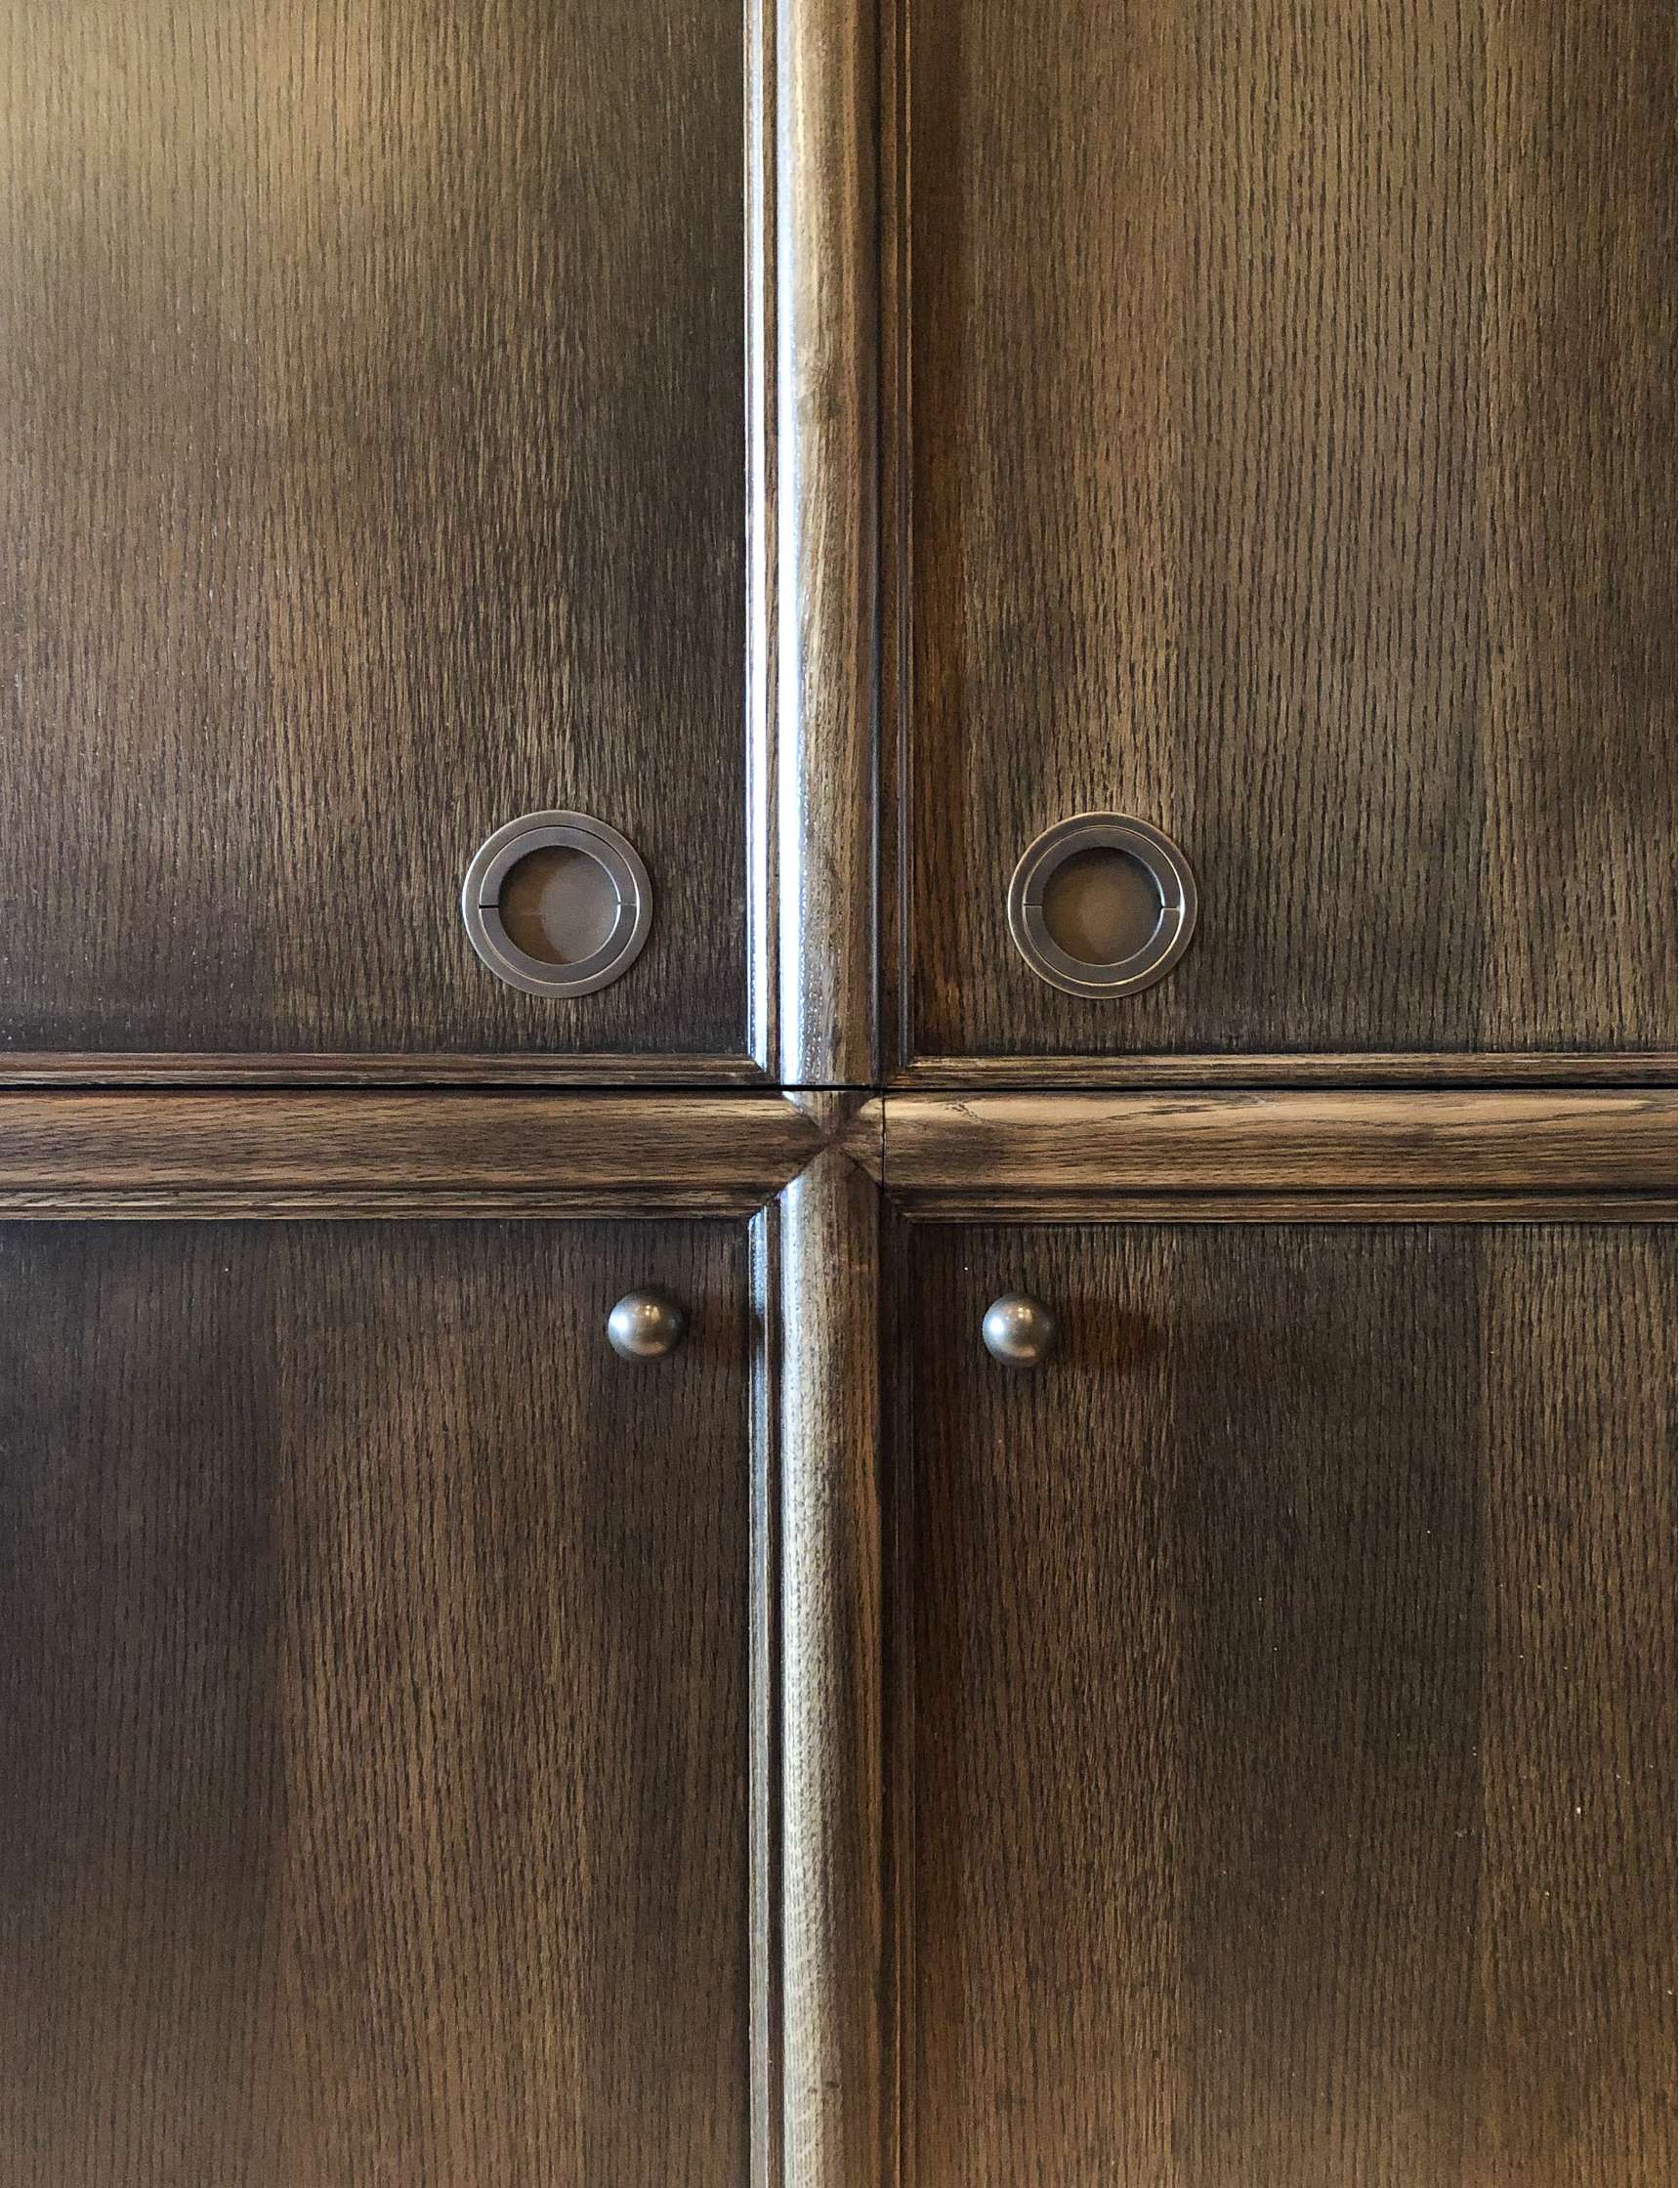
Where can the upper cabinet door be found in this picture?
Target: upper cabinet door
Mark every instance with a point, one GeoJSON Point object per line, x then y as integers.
{"type": "Point", "coordinates": [371, 397]}
{"type": "Point", "coordinates": [1279, 401]}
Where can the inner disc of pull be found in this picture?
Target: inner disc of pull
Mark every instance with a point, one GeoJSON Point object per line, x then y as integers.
{"type": "Point", "coordinates": [559, 905]}
{"type": "Point", "coordinates": [1101, 906]}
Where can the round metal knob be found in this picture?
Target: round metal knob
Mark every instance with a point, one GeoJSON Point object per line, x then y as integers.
{"type": "Point", "coordinates": [645, 1326]}
{"type": "Point", "coordinates": [1019, 1331]}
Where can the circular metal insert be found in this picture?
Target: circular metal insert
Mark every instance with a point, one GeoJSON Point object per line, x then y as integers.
{"type": "Point", "coordinates": [557, 904]}
{"type": "Point", "coordinates": [1102, 904]}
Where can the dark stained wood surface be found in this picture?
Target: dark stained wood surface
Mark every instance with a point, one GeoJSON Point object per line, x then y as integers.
{"type": "Point", "coordinates": [1289, 462]}
{"type": "Point", "coordinates": [819, 299]}
{"type": "Point", "coordinates": [397, 1154]}
{"type": "Point", "coordinates": [373, 1708]}
{"type": "Point", "coordinates": [1327, 1067]}
{"type": "Point", "coordinates": [827, 1343]}
{"type": "Point", "coordinates": [1089, 1154]}
{"type": "Point", "coordinates": [371, 406]}
{"type": "Point", "coordinates": [1284, 1694]}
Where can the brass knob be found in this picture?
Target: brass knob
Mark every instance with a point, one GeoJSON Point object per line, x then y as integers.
{"type": "Point", "coordinates": [1019, 1331]}
{"type": "Point", "coordinates": [645, 1326]}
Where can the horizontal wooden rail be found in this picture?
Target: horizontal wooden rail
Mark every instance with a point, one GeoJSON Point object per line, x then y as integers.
{"type": "Point", "coordinates": [1368, 1156]}
{"type": "Point", "coordinates": [318, 1154]}
{"type": "Point", "coordinates": [415, 1068]}
{"type": "Point", "coordinates": [1372, 1068]}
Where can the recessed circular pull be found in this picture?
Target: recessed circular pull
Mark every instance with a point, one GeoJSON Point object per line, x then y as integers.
{"type": "Point", "coordinates": [1102, 904]}
{"type": "Point", "coordinates": [557, 904]}
{"type": "Point", "coordinates": [1018, 1330]}
{"type": "Point", "coordinates": [645, 1326]}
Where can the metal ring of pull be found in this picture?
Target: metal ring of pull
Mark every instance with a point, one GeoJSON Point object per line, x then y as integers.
{"type": "Point", "coordinates": [1169, 872]}
{"type": "Point", "coordinates": [617, 857]}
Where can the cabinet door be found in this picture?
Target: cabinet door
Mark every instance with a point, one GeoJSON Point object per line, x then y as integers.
{"type": "Point", "coordinates": [1284, 1763]}
{"type": "Point", "coordinates": [373, 1706]}
{"type": "Point", "coordinates": [371, 389]}
{"type": "Point", "coordinates": [1285, 449]}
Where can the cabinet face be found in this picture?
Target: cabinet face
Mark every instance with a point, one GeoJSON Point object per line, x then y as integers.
{"type": "Point", "coordinates": [1285, 1724]}
{"type": "Point", "coordinates": [372, 1707]}
{"type": "Point", "coordinates": [1288, 465]}
{"type": "Point", "coordinates": [371, 392]}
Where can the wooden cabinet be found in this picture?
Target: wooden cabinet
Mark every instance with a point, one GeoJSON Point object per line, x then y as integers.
{"type": "Point", "coordinates": [833, 446]}
{"type": "Point", "coordinates": [1286, 1743]}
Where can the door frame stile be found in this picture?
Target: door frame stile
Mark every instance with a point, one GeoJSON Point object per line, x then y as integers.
{"type": "Point", "coordinates": [818, 1674]}
{"type": "Point", "coordinates": [813, 350]}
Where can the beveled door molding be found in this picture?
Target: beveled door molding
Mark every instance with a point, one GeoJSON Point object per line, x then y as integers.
{"type": "Point", "coordinates": [1343, 1156]}
{"type": "Point", "coordinates": [397, 1154]}
{"type": "Point", "coordinates": [1414, 1069]}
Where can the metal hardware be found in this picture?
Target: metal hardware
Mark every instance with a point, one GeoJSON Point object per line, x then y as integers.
{"type": "Point", "coordinates": [645, 1326]}
{"type": "Point", "coordinates": [576, 891]}
{"type": "Point", "coordinates": [1102, 904]}
{"type": "Point", "coordinates": [1018, 1330]}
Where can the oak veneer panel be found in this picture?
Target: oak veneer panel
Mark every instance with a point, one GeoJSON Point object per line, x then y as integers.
{"type": "Point", "coordinates": [373, 1708]}
{"type": "Point", "coordinates": [371, 401]}
{"type": "Point", "coordinates": [1289, 461]}
{"type": "Point", "coordinates": [1287, 1739]}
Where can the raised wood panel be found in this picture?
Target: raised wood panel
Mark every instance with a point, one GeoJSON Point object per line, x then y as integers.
{"type": "Point", "coordinates": [373, 1708]}
{"type": "Point", "coordinates": [1282, 1683]}
{"type": "Point", "coordinates": [1283, 452]}
{"type": "Point", "coordinates": [371, 395]}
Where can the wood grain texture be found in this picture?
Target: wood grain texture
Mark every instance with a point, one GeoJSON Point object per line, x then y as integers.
{"type": "Point", "coordinates": [373, 473]}
{"type": "Point", "coordinates": [372, 1710]}
{"type": "Point", "coordinates": [158, 1068]}
{"type": "Point", "coordinates": [1481, 1067]}
{"type": "Point", "coordinates": [826, 320]}
{"type": "Point", "coordinates": [1283, 439]}
{"type": "Point", "coordinates": [1285, 1711]}
{"type": "Point", "coordinates": [412, 1154]}
{"type": "Point", "coordinates": [825, 1341]}
{"type": "Point", "coordinates": [1105, 1154]}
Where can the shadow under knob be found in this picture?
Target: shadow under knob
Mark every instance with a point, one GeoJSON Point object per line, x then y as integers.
{"type": "Point", "coordinates": [645, 1326]}
{"type": "Point", "coordinates": [1018, 1330]}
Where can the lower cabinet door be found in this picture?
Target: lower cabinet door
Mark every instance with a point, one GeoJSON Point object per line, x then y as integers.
{"type": "Point", "coordinates": [373, 1706]}
{"type": "Point", "coordinates": [1282, 1755]}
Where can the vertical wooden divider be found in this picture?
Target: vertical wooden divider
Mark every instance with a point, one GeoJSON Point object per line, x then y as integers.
{"type": "Point", "coordinates": [813, 652]}
{"type": "Point", "coordinates": [813, 360]}
{"type": "Point", "coordinates": [818, 1682]}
